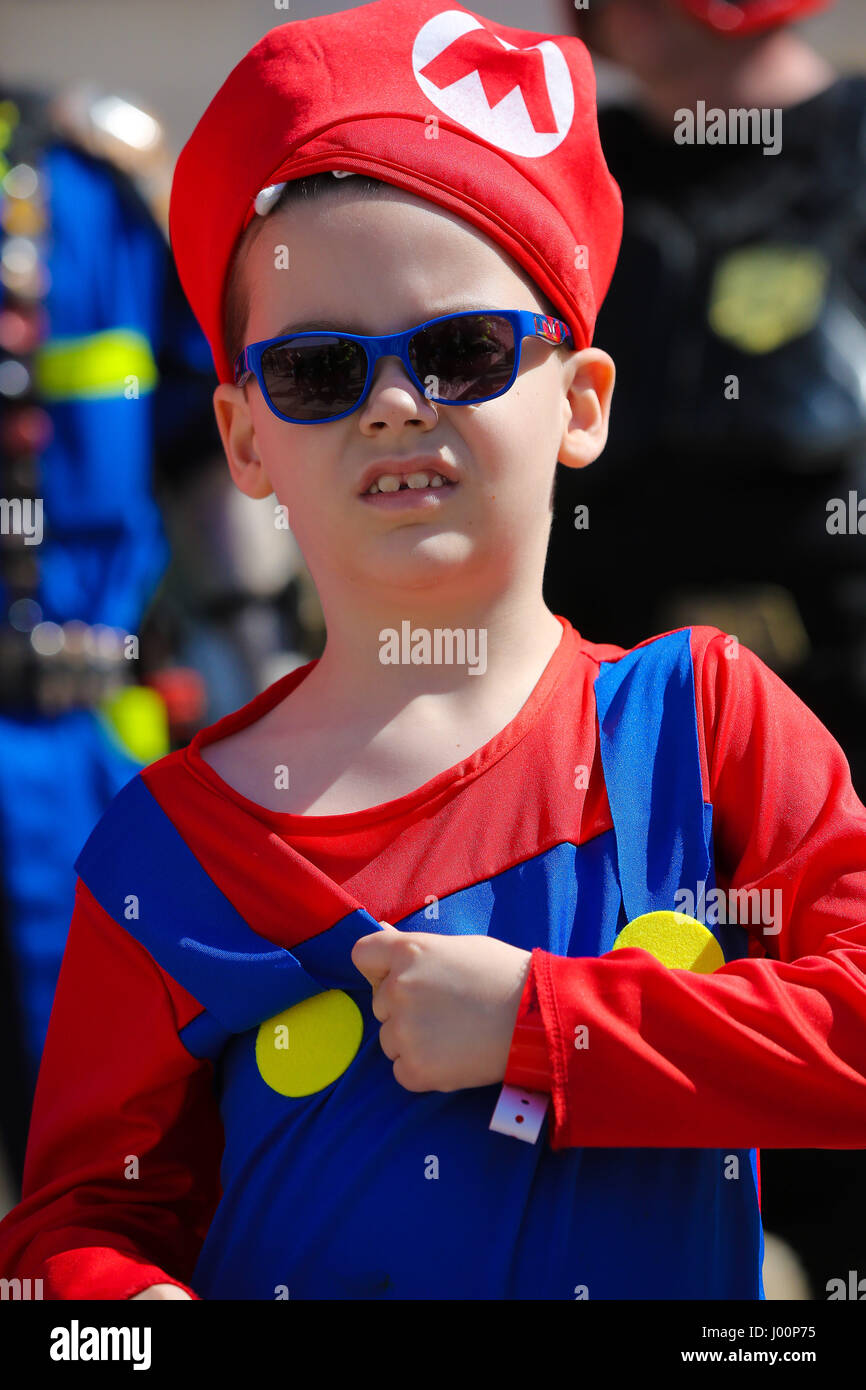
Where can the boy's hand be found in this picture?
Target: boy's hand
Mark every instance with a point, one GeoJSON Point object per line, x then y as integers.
{"type": "Point", "coordinates": [161, 1291]}
{"type": "Point", "coordinates": [447, 1004]}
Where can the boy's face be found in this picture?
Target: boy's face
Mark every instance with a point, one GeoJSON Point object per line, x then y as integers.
{"type": "Point", "coordinates": [381, 265]}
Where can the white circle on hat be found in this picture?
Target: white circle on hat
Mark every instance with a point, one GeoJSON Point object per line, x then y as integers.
{"type": "Point", "coordinates": [522, 93]}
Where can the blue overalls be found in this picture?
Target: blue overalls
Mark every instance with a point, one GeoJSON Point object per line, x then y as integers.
{"type": "Point", "coordinates": [340, 1184]}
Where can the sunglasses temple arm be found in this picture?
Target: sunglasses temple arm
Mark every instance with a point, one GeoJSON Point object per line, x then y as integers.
{"type": "Point", "coordinates": [548, 329]}
{"type": "Point", "coordinates": [241, 368]}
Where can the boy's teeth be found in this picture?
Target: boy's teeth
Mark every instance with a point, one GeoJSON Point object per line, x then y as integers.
{"type": "Point", "coordinates": [390, 482]}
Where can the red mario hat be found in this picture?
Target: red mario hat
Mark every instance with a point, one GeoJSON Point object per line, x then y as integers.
{"type": "Point", "coordinates": [497, 125]}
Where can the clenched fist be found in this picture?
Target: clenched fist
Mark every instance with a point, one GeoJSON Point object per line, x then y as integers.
{"type": "Point", "coordinates": [447, 1004]}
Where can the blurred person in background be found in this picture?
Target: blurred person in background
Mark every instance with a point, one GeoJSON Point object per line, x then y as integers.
{"type": "Point", "coordinates": [237, 624]}
{"type": "Point", "coordinates": [105, 417]}
{"type": "Point", "coordinates": [741, 418]}
{"type": "Point", "coordinates": [101, 367]}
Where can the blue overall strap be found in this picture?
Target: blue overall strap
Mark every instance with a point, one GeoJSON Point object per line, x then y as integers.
{"type": "Point", "coordinates": [146, 877]}
{"type": "Point", "coordinates": [648, 738]}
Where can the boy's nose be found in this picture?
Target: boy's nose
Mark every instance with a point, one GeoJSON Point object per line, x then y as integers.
{"type": "Point", "coordinates": [389, 389]}
{"type": "Point", "coordinates": [391, 369]}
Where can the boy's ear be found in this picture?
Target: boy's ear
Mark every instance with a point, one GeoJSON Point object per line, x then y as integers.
{"type": "Point", "coordinates": [589, 377]}
{"type": "Point", "coordinates": [235, 424]}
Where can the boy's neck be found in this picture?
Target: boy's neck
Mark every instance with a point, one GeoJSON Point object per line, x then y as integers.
{"type": "Point", "coordinates": [368, 656]}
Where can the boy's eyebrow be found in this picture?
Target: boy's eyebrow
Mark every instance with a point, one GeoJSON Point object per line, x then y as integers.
{"type": "Point", "coordinates": [334, 326]}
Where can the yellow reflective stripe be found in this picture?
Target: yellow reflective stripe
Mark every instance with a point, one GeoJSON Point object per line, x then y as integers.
{"type": "Point", "coordinates": [98, 364]}
{"type": "Point", "coordinates": [138, 719]}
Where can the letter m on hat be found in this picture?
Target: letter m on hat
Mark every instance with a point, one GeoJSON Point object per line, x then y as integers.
{"type": "Point", "coordinates": [500, 71]}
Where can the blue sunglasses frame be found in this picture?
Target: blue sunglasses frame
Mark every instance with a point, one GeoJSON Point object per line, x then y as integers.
{"type": "Point", "coordinates": [525, 323]}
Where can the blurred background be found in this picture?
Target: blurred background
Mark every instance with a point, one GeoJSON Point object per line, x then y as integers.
{"type": "Point", "coordinates": [736, 266]}
{"type": "Point", "coordinates": [175, 56]}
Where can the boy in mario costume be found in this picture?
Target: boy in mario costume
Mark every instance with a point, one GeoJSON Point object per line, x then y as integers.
{"type": "Point", "coordinates": [473, 959]}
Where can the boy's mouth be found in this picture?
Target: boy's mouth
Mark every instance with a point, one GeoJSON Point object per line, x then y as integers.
{"type": "Point", "coordinates": [417, 482]}
{"type": "Point", "coordinates": [409, 482]}
{"type": "Point", "coordinates": [419, 489]}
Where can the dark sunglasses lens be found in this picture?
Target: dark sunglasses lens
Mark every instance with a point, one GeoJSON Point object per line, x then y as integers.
{"type": "Point", "coordinates": [463, 359]}
{"type": "Point", "coordinates": [314, 378]}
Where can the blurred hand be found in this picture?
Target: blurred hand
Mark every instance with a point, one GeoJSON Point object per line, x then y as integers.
{"type": "Point", "coordinates": [162, 1291]}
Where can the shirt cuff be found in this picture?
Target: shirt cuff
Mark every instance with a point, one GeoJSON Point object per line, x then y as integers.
{"type": "Point", "coordinates": [101, 1272]}
{"type": "Point", "coordinates": [528, 1059]}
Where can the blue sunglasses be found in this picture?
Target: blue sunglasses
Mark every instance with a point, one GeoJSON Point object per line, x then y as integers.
{"type": "Point", "coordinates": [457, 359]}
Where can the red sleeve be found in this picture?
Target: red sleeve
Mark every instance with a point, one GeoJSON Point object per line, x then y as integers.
{"type": "Point", "coordinates": [529, 1057]}
{"type": "Point", "coordinates": [769, 1051]}
{"type": "Point", "coordinates": [115, 1085]}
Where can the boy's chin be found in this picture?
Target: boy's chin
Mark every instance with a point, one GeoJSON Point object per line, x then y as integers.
{"type": "Point", "coordinates": [415, 560]}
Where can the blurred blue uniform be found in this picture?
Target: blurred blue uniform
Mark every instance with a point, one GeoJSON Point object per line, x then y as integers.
{"type": "Point", "coordinates": [124, 375]}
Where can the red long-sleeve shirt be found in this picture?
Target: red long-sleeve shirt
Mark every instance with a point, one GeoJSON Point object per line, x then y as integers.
{"type": "Point", "coordinates": [124, 1145]}
{"type": "Point", "coordinates": [122, 1173]}
{"type": "Point", "coordinates": [768, 1051]}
